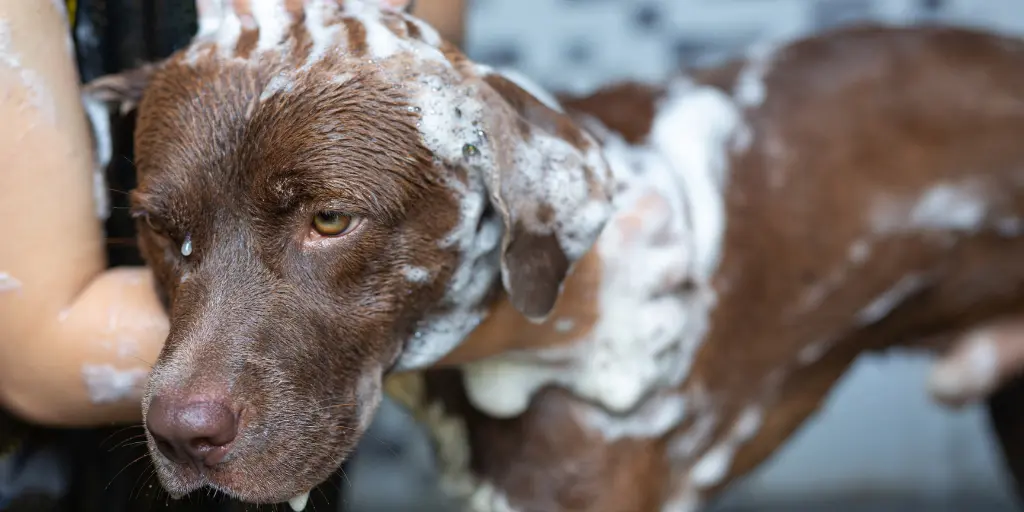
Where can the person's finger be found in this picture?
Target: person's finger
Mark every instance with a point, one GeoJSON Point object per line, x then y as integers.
{"type": "Point", "coordinates": [979, 362]}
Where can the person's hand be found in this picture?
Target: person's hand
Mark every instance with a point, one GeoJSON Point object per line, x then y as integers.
{"type": "Point", "coordinates": [979, 363]}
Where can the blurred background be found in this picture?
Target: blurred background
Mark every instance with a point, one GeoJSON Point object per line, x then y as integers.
{"type": "Point", "coordinates": [878, 445]}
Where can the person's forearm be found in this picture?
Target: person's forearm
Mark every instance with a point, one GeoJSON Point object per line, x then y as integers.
{"type": "Point", "coordinates": [68, 329]}
{"type": "Point", "coordinates": [88, 365]}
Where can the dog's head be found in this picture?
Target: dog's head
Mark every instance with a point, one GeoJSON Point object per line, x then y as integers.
{"type": "Point", "coordinates": [328, 191]}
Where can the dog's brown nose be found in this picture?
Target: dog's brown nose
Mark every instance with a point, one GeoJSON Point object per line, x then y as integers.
{"type": "Point", "coordinates": [196, 432]}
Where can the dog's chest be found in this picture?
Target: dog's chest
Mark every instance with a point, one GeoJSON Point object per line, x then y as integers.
{"type": "Point", "coordinates": [657, 256]}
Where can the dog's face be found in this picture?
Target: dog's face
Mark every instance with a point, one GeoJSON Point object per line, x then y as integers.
{"type": "Point", "coordinates": [324, 199]}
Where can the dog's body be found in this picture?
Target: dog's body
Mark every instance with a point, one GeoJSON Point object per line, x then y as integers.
{"type": "Point", "coordinates": [864, 194]}
{"type": "Point", "coordinates": [698, 262]}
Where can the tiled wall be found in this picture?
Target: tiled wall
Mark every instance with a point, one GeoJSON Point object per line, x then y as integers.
{"type": "Point", "coordinates": [579, 44]}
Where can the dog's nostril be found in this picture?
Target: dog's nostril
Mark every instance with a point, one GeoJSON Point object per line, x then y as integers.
{"type": "Point", "coordinates": [190, 431]}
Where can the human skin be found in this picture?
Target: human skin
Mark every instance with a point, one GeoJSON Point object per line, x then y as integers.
{"type": "Point", "coordinates": [62, 312]}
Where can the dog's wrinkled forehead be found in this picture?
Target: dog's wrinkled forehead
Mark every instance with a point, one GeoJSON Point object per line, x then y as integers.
{"type": "Point", "coordinates": [546, 178]}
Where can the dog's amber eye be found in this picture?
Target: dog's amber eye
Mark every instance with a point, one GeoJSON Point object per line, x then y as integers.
{"type": "Point", "coordinates": [332, 223]}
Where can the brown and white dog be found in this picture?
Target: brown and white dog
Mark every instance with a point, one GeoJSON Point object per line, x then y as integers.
{"type": "Point", "coordinates": [623, 301]}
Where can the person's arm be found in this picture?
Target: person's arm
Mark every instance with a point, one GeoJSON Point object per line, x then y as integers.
{"type": "Point", "coordinates": [75, 340]}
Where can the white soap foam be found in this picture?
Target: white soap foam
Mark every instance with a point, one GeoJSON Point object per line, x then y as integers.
{"type": "Point", "coordinates": [273, 21]}
{"type": "Point", "coordinates": [654, 418]}
{"type": "Point", "coordinates": [40, 99]}
{"type": "Point", "coordinates": [323, 35]}
{"type": "Point", "coordinates": [8, 283]}
{"type": "Point", "coordinates": [210, 15]}
{"type": "Point", "coordinates": [955, 207]}
{"type": "Point", "coordinates": [488, 498]}
{"type": "Point", "coordinates": [812, 353]}
{"type": "Point", "coordinates": [564, 325]}
{"type": "Point", "coordinates": [713, 466]}
{"type": "Point", "coordinates": [882, 305]}
{"type": "Point", "coordinates": [103, 149]}
{"type": "Point", "coordinates": [107, 384]}
{"type": "Point", "coordinates": [415, 274]}
{"type": "Point", "coordinates": [750, 90]}
{"type": "Point", "coordinates": [462, 131]}
{"type": "Point", "coordinates": [644, 339]}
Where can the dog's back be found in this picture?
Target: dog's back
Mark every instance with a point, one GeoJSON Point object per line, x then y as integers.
{"type": "Point", "coordinates": [847, 192]}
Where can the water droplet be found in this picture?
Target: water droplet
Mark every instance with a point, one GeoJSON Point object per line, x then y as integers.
{"type": "Point", "coordinates": [482, 134]}
{"type": "Point", "coordinates": [186, 246]}
{"type": "Point", "coordinates": [470, 150]}
{"type": "Point", "coordinates": [414, 109]}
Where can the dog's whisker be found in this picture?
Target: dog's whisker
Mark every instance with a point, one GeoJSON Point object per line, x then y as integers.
{"type": "Point", "coordinates": [125, 442]}
{"type": "Point", "coordinates": [149, 365]}
{"type": "Point", "coordinates": [126, 466]}
{"type": "Point", "coordinates": [119, 431]}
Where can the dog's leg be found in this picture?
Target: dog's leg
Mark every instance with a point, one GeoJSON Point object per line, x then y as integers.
{"type": "Point", "coordinates": [546, 460]}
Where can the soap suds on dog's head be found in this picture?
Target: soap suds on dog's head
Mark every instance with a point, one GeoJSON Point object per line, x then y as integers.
{"type": "Point", "coordinates": [462, 182]}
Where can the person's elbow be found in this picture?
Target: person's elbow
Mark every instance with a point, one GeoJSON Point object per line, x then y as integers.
{"type": "Point", "coordinates": [23, 399]}
{"type": "Point", "coordinates": [44, 395]}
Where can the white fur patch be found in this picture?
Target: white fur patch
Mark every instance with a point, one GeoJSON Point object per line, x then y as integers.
{"type": "Point", "coordinates": [647, 333]}
{"type": "Point", "coordinates": [107, 384]}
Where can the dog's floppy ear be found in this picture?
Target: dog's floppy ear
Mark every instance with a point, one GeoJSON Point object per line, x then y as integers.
{"type": "Point", "coordinates": [120, 90]}
{"type": "Point", "coordinates": [118, 96]}
{"type": "Point", "coordinates": [552, 187]}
